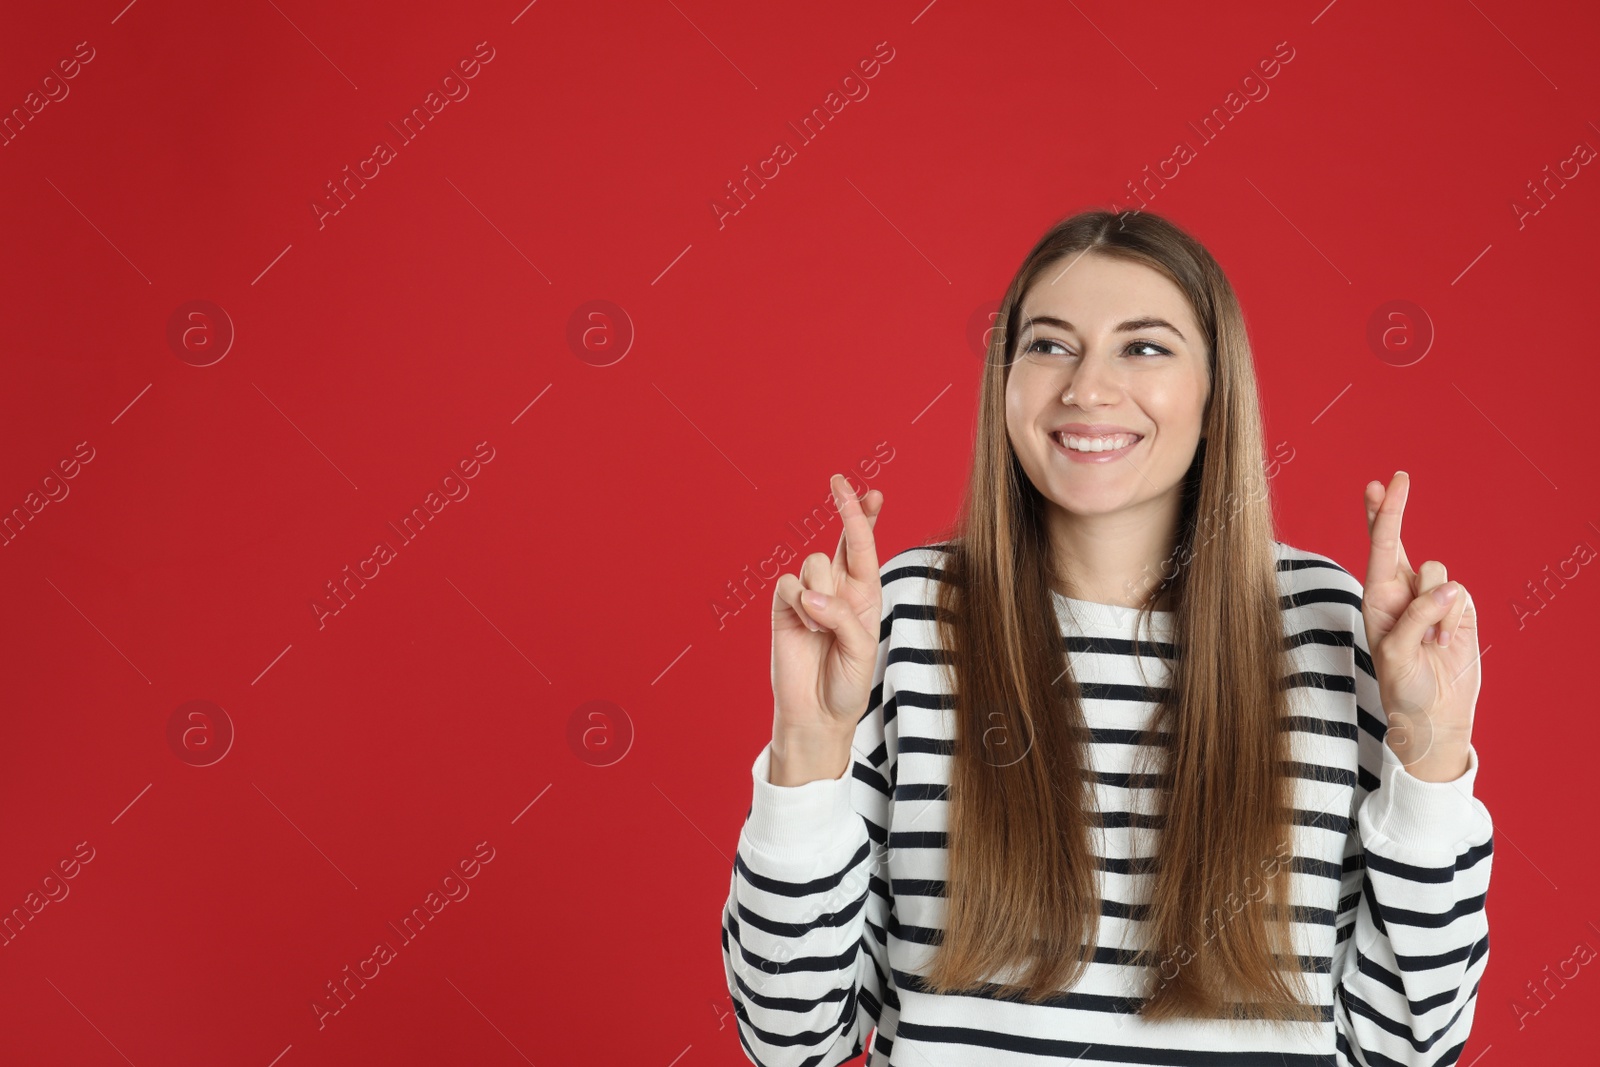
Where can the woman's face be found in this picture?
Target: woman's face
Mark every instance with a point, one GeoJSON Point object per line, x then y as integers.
{"type": "Point", "coordinates": [1114, 346]}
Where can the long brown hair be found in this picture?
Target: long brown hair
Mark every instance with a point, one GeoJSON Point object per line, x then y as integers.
{"type": "Point", "coordinates": [1021, 889]}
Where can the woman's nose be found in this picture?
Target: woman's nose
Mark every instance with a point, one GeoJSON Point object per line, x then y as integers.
{"type": "Point", "coordinates": [1094, 378]}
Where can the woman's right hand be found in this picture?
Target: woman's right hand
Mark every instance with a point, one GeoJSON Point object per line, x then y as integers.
{"type": "Point", "coordinates": [823, 658]}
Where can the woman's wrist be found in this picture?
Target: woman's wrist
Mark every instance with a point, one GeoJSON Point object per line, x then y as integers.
{"type": "Point", "coordinates": [797, 759]}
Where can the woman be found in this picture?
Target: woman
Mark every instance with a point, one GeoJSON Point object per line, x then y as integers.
{"type": "Point", "coordinates": [1112, 710]}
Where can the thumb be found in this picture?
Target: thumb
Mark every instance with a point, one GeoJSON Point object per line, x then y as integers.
{"type": "Point", "coordinates": [1424, 611]}
{"type": "Point", "coordinates": [833, 613]}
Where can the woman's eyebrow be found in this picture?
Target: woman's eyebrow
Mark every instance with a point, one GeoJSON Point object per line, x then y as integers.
{"type": "Point", "coordinates": [1130, 326]}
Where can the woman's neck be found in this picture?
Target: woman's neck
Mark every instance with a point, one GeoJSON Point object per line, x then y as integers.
{"type": "Point", "coordinates": [1122, 558]}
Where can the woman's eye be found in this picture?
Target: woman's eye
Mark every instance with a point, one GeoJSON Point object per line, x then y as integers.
{"type": "Point", "coordinates": [1035, 348]}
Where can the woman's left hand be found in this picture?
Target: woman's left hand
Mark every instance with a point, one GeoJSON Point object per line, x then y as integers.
{"type": "Point", "coordinates": [1424, 649]}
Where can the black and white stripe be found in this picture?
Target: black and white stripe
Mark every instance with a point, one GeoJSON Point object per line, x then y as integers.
{"type": "Point", "coordinates": [836, 901]}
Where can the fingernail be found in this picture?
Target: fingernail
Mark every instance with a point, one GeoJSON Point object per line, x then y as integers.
{"type": "Point", "coordinates": [1445, 593]}
{"type": "Point", "coordinates": [1444, 637]}
{"type": "Point", "coordinates": [814, 599]}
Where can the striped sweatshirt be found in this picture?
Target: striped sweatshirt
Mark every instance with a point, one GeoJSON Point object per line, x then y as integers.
{"type": "Point", "coordinates": [836, 901]}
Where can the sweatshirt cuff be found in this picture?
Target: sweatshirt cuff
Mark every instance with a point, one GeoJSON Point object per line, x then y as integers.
{"type": "Point", "coordinates": [789, 822]}
{"type": "Point", "coordinates": [1429, 817]}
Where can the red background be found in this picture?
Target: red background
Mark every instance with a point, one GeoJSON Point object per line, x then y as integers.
{"type": "Point", "coordinates": [824, 327]}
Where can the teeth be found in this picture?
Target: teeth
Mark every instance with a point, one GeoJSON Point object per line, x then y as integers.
{"type": "Point", "coordinates": [1096, 444]}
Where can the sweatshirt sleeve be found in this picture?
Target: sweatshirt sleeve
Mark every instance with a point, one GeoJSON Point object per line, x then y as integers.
{"type": "Point", "coordinates": [804, 930]}
{"type": "Point", "coordinates": [1412, 934]}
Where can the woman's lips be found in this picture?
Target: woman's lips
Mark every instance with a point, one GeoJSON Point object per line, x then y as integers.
{"type": "Point", "coordinates": [1092, 457]}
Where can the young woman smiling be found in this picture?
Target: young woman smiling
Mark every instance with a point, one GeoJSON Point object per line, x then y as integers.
{"type": "Point", "coordinates": [1110, 773]}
